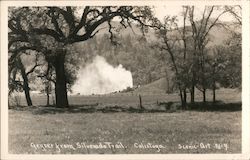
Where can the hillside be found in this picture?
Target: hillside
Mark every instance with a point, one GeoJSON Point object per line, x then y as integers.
{"type": "Point", "coordinates": [135, 55]}
{"type": "Point", "coordinates": [218, 34]}
{"type": "Point", "coordinates": [157, 87]}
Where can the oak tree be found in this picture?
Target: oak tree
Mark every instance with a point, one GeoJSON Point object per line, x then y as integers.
{"type": "Point", "coordinates": [65, 26]}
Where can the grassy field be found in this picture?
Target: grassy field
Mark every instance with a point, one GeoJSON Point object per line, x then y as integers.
{"type": "Point", "coordinates": [131, 98]}
{"type": "Point", "coordinates": [167, 129]}
{"type": "Point", "coordinates": [31, 131]}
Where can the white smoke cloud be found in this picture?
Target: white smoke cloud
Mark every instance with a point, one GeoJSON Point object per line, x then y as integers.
{"type": "Point", "coordinates": [99, 77]}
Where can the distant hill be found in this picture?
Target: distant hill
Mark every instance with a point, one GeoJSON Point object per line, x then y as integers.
{"type": "Point", "coordinates": [157, 87]}
{"type": "Point", "coordinates": [132, 54]}
{"type": "Point", "coordinates": [133, 31]}
{"type": "Point", "coordinates": [218, 34]}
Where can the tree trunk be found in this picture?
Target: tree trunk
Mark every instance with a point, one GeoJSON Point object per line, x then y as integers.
{"type": "Point", "coordinates": [192, 92]}
{"type": "Point", "coordinates": [214, 88]}
{"type": "Point", "coordinates": [47, 93]}
{"type": "Point", "coordinates": [47, 99]}
{"type": "Point", "coordinates": [204, 95]}
{"type": "Point", "coordinates": [185, 98]}
{"type": "Point", "coordinates": [60, 86]}
{"type": "Point", "coordinates": [182, 100]}
{"type": "Point", "coordinates": [27, 94]}
{"type": "Point", "coordinates": [25, 84]}
{"type": "Point", "coordinates": [140, 102]}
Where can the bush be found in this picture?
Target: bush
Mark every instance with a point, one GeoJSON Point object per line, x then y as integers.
{"type": "Point", "coordinates": [15, 99]}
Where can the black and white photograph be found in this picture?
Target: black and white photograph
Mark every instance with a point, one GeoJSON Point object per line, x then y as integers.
{"type": "Point", "coordinates": [124, 79]}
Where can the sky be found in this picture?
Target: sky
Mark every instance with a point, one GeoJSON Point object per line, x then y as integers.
{"type": "Point", "coordinates": [175, 10]}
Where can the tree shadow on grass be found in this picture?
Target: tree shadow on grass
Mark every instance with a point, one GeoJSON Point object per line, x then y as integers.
{"type": "Point", "coordinates": [80, 109]}
{"type": "Point", "coordinates": [93, 108]}
{"type": "Point", "coordinates": [218, 106]}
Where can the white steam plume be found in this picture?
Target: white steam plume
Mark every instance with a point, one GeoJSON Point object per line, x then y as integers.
{"type": "Point", "coordinates": [99, 77]}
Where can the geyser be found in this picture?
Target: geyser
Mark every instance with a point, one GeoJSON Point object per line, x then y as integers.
{"type": "Point", "coordinates": [99, 77]}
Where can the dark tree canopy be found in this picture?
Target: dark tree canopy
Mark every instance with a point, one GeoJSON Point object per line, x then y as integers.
{"type": "Point", "coordinates": [50, 30]}
{"type": "Point", "coordinates": [68, 25]}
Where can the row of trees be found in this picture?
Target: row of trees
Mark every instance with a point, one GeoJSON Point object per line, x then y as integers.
{"type": "Point", "coordinates": [50, 35]}
{"type": "Point", "coordinates": [194, 62]}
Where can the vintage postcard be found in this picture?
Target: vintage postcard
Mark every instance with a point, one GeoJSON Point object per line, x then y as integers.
{"type": "Point", "coordinates": [125, 79]}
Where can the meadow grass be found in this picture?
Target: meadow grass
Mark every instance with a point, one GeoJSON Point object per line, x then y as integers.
{"type": "Point", "coordinates": [132, 98]}
{"type": "Point", "coordinates": [167, 129]}
{"type": "Point", "coordinates": [194, 131]}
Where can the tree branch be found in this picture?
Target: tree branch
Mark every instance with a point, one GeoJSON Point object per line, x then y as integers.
{"type": "Point", "coordinates": [54, 21]}
{"type": "Point", "coordinates": [49, 32]}
{"type": "Point", "coordinates": [68, 16]}
{"type": "Point", "coordinates": [16, 39]}
{"type": "Point", "coordinates": [34, 67]}
{"type": "Point", "coordinates": [82, 21]}
{"type": "Point", "coordinates": [214, 23]}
